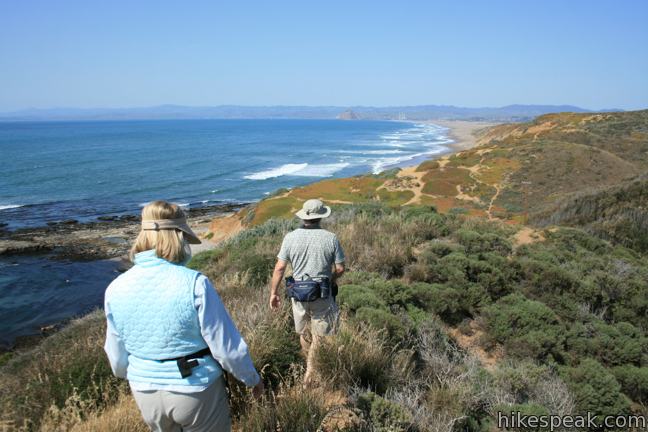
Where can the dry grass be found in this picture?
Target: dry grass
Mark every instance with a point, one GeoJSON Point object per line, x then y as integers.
{"type": "Point", "coordinates": [290, 409]}
{"type": "Point", "coordinates": [123, 416]}
{"type": "Point", "coordinates": [356, 356]}
{"type": "Point", "coordinates": [61, 380]}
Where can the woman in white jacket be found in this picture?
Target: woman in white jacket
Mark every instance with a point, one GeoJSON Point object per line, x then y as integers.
{"type": "Point", "coordinates": [169, 334]}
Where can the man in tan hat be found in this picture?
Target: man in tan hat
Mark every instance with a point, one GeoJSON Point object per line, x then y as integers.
{"type": "Point", "coordinates": [317, 260]}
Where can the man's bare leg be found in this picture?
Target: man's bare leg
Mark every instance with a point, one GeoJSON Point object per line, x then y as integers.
{"type": "Point", "coordinates": [310, 360]}
{"type": "Point", "coordinates": [305, 343]}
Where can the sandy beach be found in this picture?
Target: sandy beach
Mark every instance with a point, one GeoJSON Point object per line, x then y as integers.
{"type": "Point", "coordinates": [462, 132]}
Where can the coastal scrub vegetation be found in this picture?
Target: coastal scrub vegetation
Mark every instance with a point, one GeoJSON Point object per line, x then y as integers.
{"type": "Point", "coordinates": [447, 318]}
{"type": "Point", "coordinates": [445, 322]}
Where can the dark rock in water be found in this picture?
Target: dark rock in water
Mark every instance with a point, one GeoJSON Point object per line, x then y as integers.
{"type": "Point", "coordinates": [51, 329]}
{"type": "Point", "coordinates": [14, 247]}
{"type": "Point", "coordinates": [108, 218]}
{"type": "Point", "coordinates": [63, 222]}
{"type": "Point", "coordinates": [124, 265]}
{"type": "Point", "coordinates": [131, 218]}
{"type": "Point", "coordinates": [115, 240]}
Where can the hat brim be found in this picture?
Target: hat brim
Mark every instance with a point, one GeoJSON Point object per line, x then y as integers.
{"type": "Point", "coordinates": [189, 235]}
{"type": "Point", "coordinates": [301, 214]}
{"type": "Point", "coordinates": [171, 224]}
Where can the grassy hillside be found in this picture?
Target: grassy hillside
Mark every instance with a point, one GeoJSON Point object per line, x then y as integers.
{"type": "Point", "coordinates": [515, 173]}
{"type": "Point", "coordinates": [618, 213]}
{"type": "Point", "coordinates": [446, 320]}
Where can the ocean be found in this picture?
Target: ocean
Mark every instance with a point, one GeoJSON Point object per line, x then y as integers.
{"type": "Point", "coordinates": [56, 171]}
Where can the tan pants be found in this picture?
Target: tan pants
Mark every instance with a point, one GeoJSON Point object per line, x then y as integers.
{"type": "Point", "coordinates": [321, 314]}
{"type": "Point", "coordinates": [206, 411]}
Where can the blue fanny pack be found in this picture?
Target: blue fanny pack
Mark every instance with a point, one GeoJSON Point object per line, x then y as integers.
{"type": "Point", "coordinates": [307, 290]}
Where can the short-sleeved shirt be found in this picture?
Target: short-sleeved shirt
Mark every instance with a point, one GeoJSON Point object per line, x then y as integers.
{"type": "Point", "coordinates": [312, 252]}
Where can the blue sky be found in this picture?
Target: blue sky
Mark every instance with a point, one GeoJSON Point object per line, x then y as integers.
{"type": "Point", "coordinates": [468, 53]}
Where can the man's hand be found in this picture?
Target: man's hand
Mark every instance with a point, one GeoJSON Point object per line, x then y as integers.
{"type": "Point", "coordinates": [275, 302]}
{"type": "Point", "coordinates": [257, 390]}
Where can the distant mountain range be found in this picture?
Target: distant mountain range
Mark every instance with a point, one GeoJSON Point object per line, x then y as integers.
{"type": "Point", "coordinates": [167, 112]}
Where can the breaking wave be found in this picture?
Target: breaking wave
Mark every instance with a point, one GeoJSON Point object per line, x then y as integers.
{"type": "Point", "coordinates": [10, 206]}
{"type": "Point", "coordinates": [301, 170]}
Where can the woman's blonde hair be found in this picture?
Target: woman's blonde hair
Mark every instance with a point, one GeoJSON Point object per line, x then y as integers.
{"type": "Point", "coordinates": [169, 244]}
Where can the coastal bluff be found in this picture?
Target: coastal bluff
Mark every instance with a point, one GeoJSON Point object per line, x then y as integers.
{"type": "Point", "coordinates": [517, 173]}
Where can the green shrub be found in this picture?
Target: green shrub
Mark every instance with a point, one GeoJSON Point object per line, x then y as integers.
{"type": "Point", "coordinates": [611, 344]}
{"type": "Point", "coordinates": [545, 278]}
{"type": "Point", "coordinates": [475, 242]}
{"type": "Point", "coordinates": [495, 276]}
{"type": "Point", "coordinates": [447, 304]}
{"type": "Point", "coordinates": [5, 357]}
{"type": "Point", "coordinates": [361, 278]}
{"type": "Point", "coordinates": [415, 211]}
{"type": "Point", "coordinates": [258, 267]}
{"type": "Point", "coordinates": [384, 415]}
{"type": "Point", "coordinates": [381, 319]}
{"type": "Point", "coordinates": [634, 382]}
{"type": "Point", "coordinates": [439, 249]}
{"type": "Point", "coordinates": [427, 165]}
{"type": "Point", "coordinates": [353, 297]}
{"type": "Point", "coordinates": [392, 292]}
{"type": "Point", "coordinates": [527, 328]}
{"type": "Point", "coordinates": [595, 389]}
{"type": "Point", "coordinates": [450, 269]}
{"type": "Point", "coordinates": [355, 356]}
{"type": "Point", "coordinates": [274, 349]}
{"type": "Point", "coordinates": [202, 259]}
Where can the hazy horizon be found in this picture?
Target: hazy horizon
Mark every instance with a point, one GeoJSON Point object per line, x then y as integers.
{"type": "Point", "coordinates": [45, 108]}
{"type": "Point", "coordinates": [132, 55]}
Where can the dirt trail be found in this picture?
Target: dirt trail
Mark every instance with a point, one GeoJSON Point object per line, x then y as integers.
{"type": "Point", "coordinates": [526, 236]}
{"type": "Point", "coordinates": [470, 343]}
{"type": "Point", "coordinates": [407, 179]}
{"type": "Point", "coordinates": [465, 197]}
{"type": "Point", "coordinates": [491, 204]}
{"type": "Point", "coordinates": [417, 188]}
{"type": "Point", "coordinates": [330, 201]}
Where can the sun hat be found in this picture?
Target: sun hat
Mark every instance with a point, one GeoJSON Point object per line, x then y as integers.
{"type": "Point", "coordinates": [313, 209]}
{"type": "Point", "coordinates": [170, 224]}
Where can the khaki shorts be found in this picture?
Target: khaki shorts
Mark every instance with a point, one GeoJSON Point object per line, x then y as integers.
{"type": "Point", "coordinates": [322, 314]}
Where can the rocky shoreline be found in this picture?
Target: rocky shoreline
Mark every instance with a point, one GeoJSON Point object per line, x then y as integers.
{"type": "Point", "coordinates": [107, 237]}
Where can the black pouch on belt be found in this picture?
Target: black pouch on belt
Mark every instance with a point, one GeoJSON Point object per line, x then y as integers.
{"type": "Point", "coordinates": [188, 362]}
